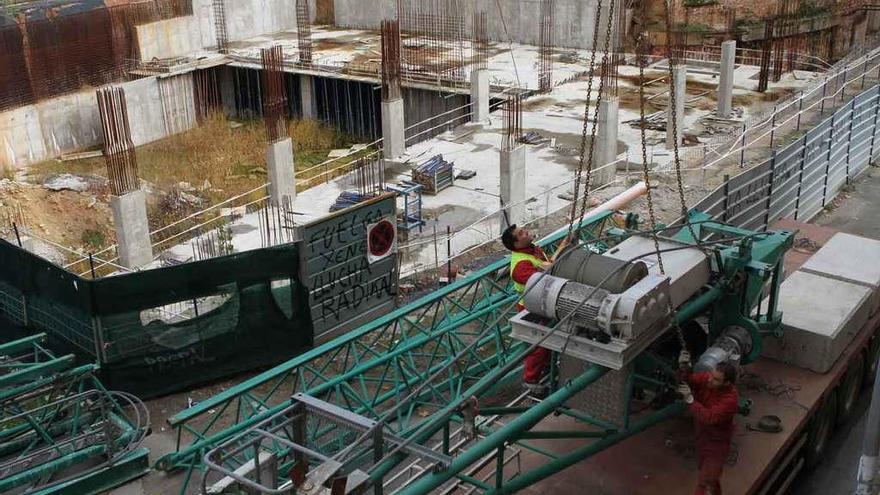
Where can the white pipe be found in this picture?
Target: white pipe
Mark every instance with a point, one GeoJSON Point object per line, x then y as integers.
{"type": "Point", "coordinates": [615, 203]}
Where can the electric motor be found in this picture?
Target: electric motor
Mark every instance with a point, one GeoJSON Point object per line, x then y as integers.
{"type": "Point", "coordinates": [733, 343]}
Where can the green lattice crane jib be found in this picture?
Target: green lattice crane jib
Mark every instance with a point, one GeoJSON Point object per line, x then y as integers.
{"type": "Point", "coordinates": [58, 423]}
{"type": "Point", "coordinates": [456, 339]}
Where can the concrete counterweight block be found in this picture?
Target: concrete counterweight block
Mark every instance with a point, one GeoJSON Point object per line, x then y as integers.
{"type": "Point", "coordinates": [513, 184]}
{"type": "Point", "coordinates": [820, 317]}
{"type": "Point", "coordinates": [479, 95]}
{"type": "Point", "coordinates": [393, 138]}
{"type": "Point", "coordinates": [606, 145]}
{"type": "Point", "coordinates": [851, 259]}
{"type": "Point", "coordinates": [132, 229]}
{"type": "Point", "coordinates": [280, 169]}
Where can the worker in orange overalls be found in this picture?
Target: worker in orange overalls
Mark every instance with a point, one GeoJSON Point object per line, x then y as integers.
{"type": "Point", "coordinates": [527, 259]}
{"type": "Point", "coordinates": [713, 399]}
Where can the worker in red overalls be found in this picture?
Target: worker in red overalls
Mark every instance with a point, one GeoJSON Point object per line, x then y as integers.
{"type": "Point", "coordinates": [527, 259]}
{"type": "Point", "coordinates": [712, 398]}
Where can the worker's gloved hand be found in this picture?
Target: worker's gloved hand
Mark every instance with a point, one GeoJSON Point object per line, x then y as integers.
{"type": "Point", "coordinates": [684, 359]}
{"type": "Point", "coordinates": [685, 390]}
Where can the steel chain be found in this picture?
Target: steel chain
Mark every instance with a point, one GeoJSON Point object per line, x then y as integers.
{"type": "Point", "coordinates": [674, 120]}
{"type": "Point", "coordinates": [605, 49]}
{"type": "Point", "coordinates": [580, 169]}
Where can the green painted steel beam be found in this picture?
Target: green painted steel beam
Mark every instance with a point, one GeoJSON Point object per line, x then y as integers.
{"type": "Point", "coordinates": [35, 371]}
{"type": "Point", "coordinates": [505, 434]}
{"type": "Point", "coordinates": [71, 374]}
{"type": "Point", "coordinates": [25, 344]}
{"type": "Point", "coordinates": [562, 434]}
{"type": "Point", "coordinates": [40, 471]}
{"type": "Point", "coordinates": [132, 466]}
{"type": "Point", "coordinates": [525, 480]}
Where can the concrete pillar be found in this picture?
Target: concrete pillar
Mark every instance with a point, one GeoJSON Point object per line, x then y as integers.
{"type": "Point", "coordinates": [132, 229]}
{"type": "Point", "coordinates": [873, 21]}
{"type": "Point", "coordinates": [479, 95]}
{"type": "Point", "coordinates": [227, 91]}
{"type": "Point", "coordinates": [860, 33]}
{"type": "Point", "coordinates": [393, 138]}
{"type": "Point", "coordinates": [307, 94]}
{"type": "Point", "coordinates": [513, 184]}
{"type": "Point", "coordinates": [678, 84]}
{"type": "Point", "coordinates": [280, 169]}
{"type": "Point", "coordinates": [606, 141]}
{"type": "Point", "coordinates": [725, 79]}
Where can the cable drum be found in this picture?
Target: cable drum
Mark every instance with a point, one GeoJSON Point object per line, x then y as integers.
{"type": "Point", "coordinates": [591, 269]}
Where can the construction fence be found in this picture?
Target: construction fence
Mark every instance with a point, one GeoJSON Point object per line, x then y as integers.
{"type": "Point", "coordinates": [157, 331]}
{"type": "Point", "coordinates": [800, 179]}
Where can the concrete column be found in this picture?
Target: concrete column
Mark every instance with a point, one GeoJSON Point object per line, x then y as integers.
{"type": "Point", "coordinates": [307, 94]}
{"type": "Point", "coordinates": [678, 84]}
{"type": "Point", "coordinates": [513, 183]}
{"type": "Point", "coordinates": [132, 229]}
{"type": "Point", "coordinates": [280, 169]}
{"type": "Point", "coordinates": [725, 79]}
{"type": "Point", "coordinates": [606, 141]}
{"type": "Point", "coordinates": [227, 91]}
{"type": "Point", "coordinates": [393, 138]}
{"type": "Point", "coordinates": [873, 21]}
{"type": "Point", "coordinates": [479, 95]}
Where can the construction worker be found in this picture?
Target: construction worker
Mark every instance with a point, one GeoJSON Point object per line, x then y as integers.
{"type": "Point", "coordinates": [527, 259]}
{"type": "Point", "coordinates": [713, 400]}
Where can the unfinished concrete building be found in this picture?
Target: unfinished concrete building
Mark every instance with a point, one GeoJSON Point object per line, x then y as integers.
{"type": "Point", "coordinates": [195, 189]}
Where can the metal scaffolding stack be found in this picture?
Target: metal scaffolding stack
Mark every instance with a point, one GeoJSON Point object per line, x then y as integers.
{"type": "Point", "coordinates": [434, 175]}
{"type": "Point", "coordinates": [61, 431]}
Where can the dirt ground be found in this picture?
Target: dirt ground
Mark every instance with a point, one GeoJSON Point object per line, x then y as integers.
{"type": "Point", "coordinates": [181, 174]}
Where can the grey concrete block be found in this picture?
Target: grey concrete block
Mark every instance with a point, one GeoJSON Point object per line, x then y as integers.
{"type": "Point", "coordinates": [132, 229]}
{"type": "Point", "coordinates": [820, 317]}
{"type": "Point", "coordinates": [280, 170]}
{"type": "Point", "coordinates": [851, 259]}
{"type": "Point", "coordinates": [512, 164]}
{"type": "Point", "coordinates": [393, 137]}
{"type": "Point", "coordinates": [479, 95]}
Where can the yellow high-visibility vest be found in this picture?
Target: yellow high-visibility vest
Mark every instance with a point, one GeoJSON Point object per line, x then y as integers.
{"type": "Point", "coordinates": [515, 258]}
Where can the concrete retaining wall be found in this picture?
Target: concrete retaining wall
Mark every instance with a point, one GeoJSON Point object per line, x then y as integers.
{"type": "Point", "coordinates": [169, 38]}
{"type": "Point", "coordinates": [574, 19]}
{"type": "Point", "coordinates": [249, 18]}
{"type": "Point", "coordinates": [71, 123]}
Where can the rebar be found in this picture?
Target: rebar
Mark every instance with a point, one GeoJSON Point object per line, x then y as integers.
{"type": "Point", "coordinates": [390, 60]}
{"type": "Point", "coordinates": [44, 57]}
{"type": "Point", "coordinates": [206, 93]}
{"type": "Point", "coordinates": [766, 48]}
{"type": "Point", "coordinates": [220, 25]}
{"type": "Point", "coordinates": [545, 76]}
{"type": "Point", "coordinates": [274, 93]}
{"type": "Point", "coordinates": [118, 147]}
{"type": "Point", "coordinates": [480, 42]}
{"type": "Point", "coordinates": [304, 32]}
{"type": "Point", "coordinates": [436, 29]}
{"type": "Point", "coordinates": [512, 121]}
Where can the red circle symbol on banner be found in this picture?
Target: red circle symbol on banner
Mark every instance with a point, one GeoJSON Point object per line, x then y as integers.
{"type": "Point", "coordinates": [381, 238]}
